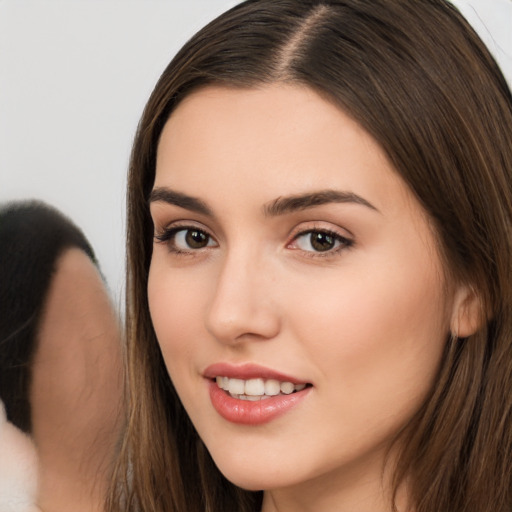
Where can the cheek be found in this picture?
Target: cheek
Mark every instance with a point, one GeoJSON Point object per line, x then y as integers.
{"type": "Point", "coordinates": [374, 335]}
{"type": "Point", "coordinates": [176, 304]}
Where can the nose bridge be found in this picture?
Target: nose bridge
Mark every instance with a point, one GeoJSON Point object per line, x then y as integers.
{"type": "Point", "coordinates": [242, 302]}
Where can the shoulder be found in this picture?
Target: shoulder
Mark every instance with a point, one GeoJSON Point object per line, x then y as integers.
{"type": "Point", "coordinates": [18, 468]}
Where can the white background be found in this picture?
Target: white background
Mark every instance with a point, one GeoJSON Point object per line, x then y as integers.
{"type": "Point", "coordinates": [74, 77]}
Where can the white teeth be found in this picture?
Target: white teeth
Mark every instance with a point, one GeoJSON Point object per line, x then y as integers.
{"type": "Point", "coordinates": [287, 388]}
{"type": "Point", "coordinates": [223, 383]}
{"type": "Point", "coordinates": [256, 389]}
{"type": "Point", "coordinates": [236, 386]}
{"type": "Point", "coordinates": [272, 387]}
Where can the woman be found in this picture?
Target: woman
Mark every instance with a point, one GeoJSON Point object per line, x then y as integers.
{"type": "Point", "coordinates": [319, 267]}
{"type": "Point", "coordinates": [59, 363]}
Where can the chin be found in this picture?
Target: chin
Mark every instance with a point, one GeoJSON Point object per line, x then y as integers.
{"type": "Point", "coordinates": [251, 481]}
{"type": "Point", "coordinates": [251, 475]}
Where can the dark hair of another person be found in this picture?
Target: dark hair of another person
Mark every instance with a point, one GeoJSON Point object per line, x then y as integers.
{"type": "Point", "coordinates": [32, 237]}
{"type": "Point", "coordinates": [416, 76]}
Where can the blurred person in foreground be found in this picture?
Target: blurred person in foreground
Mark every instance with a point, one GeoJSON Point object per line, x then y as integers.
{"type": "Point", "coordinates": [60, 372]}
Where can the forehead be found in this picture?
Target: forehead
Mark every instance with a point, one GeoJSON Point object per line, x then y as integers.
{"type": "Point", "coordinates": [279, 138]}
{"type": "Point", "coordinates": [253, 116]}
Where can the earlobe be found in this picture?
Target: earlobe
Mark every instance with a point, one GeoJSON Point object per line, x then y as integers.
{"type": "Point", "coordinates": [468, 312]}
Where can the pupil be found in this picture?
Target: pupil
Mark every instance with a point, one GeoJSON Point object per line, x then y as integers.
{"type": "Point", "coordinates": [196, 239]}
{"type": "Point", "coordinates": [322, 241]}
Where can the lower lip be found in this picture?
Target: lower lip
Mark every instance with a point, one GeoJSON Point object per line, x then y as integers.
{"type": "Point", "coordinates": [245, 412]}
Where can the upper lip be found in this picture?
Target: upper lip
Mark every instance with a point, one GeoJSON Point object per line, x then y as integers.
{"type": "Point", "coordinates": [248, 371]}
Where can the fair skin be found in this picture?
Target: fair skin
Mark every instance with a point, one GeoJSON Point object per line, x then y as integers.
{"type": "Point", "coordinates": [342, 291]}
{"type": "Point", "coordinates": [76, 388]}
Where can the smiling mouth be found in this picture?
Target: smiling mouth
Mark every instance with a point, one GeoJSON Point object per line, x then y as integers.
{"type": "Point", "coordinates": [257, 389]}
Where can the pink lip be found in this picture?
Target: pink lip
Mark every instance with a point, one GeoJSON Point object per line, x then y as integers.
{"type": "Point", "coordinates": [245, 412]}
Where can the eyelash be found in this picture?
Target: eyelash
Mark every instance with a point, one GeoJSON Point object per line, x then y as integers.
{"type": "Point", "coordinates": [344, 242]}
{"type": "Point", "coordinates": [168, 237]}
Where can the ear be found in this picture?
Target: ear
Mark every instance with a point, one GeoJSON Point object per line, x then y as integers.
{"type": "Point", "coordinates": [468, 313]}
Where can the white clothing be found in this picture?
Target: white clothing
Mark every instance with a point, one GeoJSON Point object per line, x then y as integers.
{"type": "Point", "coordinates": [18, 468]}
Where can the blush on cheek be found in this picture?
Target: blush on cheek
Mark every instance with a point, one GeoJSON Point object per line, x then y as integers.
{"type": "Point", "coordinates": [174, 314]}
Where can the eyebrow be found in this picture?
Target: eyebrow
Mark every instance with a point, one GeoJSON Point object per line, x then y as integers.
{"type": "Point", "coordinates": [279, 206]}
{"type": "Point", "coordinates": [179, 199]}
{"type": "Point", "coordinates": [284, 205]}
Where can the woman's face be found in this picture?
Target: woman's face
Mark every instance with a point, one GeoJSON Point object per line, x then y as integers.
{"type": "Point", "coordinates": [291, 259]}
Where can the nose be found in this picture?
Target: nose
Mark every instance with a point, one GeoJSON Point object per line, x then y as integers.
{"type": "Point", "coordinates": [243, 306]}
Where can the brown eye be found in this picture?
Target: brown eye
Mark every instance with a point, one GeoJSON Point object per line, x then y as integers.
{"type": "Point", "coordinates": [196, 239]}
{"type": "Point", "coordinates": [322, 241]}
{"type": "Point", "coordinates": [182, 240]}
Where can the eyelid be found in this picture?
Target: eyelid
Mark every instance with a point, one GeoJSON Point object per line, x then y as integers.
{"type": "Point", "coordinates": [180, 224]}
{"type": "Point", "coordinates": [325, 227]}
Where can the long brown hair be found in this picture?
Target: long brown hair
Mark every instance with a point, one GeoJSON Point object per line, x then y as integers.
{"type": "Point", "coordinates": [419, 80]}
